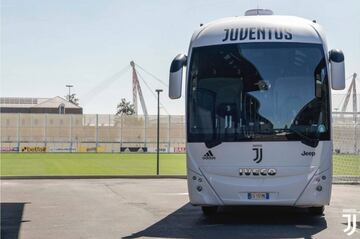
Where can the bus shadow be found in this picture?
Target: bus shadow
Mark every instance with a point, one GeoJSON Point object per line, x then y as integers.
{"type": "Point", "coordinates": [11, 219]}
{"type": "Point", "coordinates": [236, 222]}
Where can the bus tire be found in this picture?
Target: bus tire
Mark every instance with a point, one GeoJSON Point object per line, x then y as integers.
{"type": "Point", "coordinates": [317, 211]}
{"type": "Point", "coordinates": [209, 210]}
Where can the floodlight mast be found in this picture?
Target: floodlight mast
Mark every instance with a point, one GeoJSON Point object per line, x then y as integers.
{"type": "Point", "coordinates": [69, 95]}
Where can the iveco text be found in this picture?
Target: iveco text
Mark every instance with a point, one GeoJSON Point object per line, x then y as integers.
{"type": "Point", "coordinates": [258, 111]}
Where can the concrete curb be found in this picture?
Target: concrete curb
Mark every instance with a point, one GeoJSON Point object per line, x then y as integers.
{"type": "Point", "coordinates": [95, 177]}
{"type": "Point", "coordinates": [343, 182]}
{"type": "Point", "coordinates": [347, 183]}
{"type": "Point", "coordinates": [346, 179]}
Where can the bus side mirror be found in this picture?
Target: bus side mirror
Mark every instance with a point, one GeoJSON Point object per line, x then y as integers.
{"type": "Point", "coordinates": [337, 65]}
{"type": "Point", "coordinates": [175, 79]}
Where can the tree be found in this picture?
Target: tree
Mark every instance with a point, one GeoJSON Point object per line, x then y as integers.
{"type": "Point", "coordinates": [125, 108]}
{"type": "Point", "coordinates": [73, 99]}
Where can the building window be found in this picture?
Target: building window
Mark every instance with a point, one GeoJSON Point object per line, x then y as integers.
{"type": "Point", "coordinates": [62, 109]}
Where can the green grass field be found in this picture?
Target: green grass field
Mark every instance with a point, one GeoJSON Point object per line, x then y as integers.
{"type": "Point", "coordinates": [77, 164]}
{"type": "Point", "coordinates": [33, 164]}
{"type": "Point", "coordinates": [346, 164]}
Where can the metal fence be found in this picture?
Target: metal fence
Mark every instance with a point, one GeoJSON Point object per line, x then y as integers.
{"type": "Point", "coordinates": [90, 133]}
{"type": "Point", "coordinates": [110, 133]}
{"type": "Point", "coordinates": [346, 146]}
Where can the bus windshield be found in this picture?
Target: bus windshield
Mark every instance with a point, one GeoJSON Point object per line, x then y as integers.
{"type": "Point", "coordinates": [258, 92]}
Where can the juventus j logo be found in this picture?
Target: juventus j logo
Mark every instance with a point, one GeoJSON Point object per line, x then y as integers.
{"type": "Point", "coordinates": [258, 150]}
{"type": "Point", "coordinates": [350, 214]}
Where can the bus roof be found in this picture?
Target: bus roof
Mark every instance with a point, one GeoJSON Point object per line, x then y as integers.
{"type": "Point", "coordinates": [258, 29]}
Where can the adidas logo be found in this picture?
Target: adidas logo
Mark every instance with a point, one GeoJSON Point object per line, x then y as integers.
{"type": "Point", "coordinates": [208, 156]}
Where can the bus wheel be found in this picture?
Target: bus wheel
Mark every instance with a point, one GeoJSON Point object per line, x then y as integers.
{"type": "Point", "coordinates": [209, 210]}
{"type": "Point", "coordinates": [317, 211]}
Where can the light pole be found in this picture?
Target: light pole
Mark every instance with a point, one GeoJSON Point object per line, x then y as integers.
{"type": "Point", "coordinates": [158, 130]}
{"type": "Point", "coordinates": [69, 86]}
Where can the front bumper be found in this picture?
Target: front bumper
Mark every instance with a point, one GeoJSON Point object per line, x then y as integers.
{"type": "Point", "coordinates": [315, 191]}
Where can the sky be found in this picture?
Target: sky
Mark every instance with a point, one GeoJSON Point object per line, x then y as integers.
{"type": "Point", "coordinates": [46, 44]}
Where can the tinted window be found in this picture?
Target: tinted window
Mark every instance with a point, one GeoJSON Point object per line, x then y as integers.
{"type": "Point", "coordinates": [258, 91]}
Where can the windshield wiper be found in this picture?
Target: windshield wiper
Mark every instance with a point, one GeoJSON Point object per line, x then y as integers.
{"type": "Point", "coordinates": [304, 139]}
{"type": "Point", "coordinates": [212, 143]}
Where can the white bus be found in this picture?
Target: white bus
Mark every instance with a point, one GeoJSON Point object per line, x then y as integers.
{"type": "Point", "coordinates": [258, 111]}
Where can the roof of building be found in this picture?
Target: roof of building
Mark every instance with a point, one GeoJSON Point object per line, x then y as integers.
{"type": "Point", "coordinates": [24, 102]}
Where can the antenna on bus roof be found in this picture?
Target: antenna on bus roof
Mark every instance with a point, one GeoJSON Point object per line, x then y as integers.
{"type": "Point", "coordinates": [258, 11]}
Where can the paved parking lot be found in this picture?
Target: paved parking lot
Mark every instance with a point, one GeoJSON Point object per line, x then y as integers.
{"type": "Point", "coordinates": [134, 208]}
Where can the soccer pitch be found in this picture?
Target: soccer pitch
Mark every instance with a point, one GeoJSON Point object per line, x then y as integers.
{"type": "Point", "coordinates": [77, 164]}
{"type": "Point", "coordinates": [105, 164]}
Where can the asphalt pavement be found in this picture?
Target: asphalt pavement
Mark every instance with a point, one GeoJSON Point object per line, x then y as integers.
{"type": "Point", "coordinates": [156, 208]}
